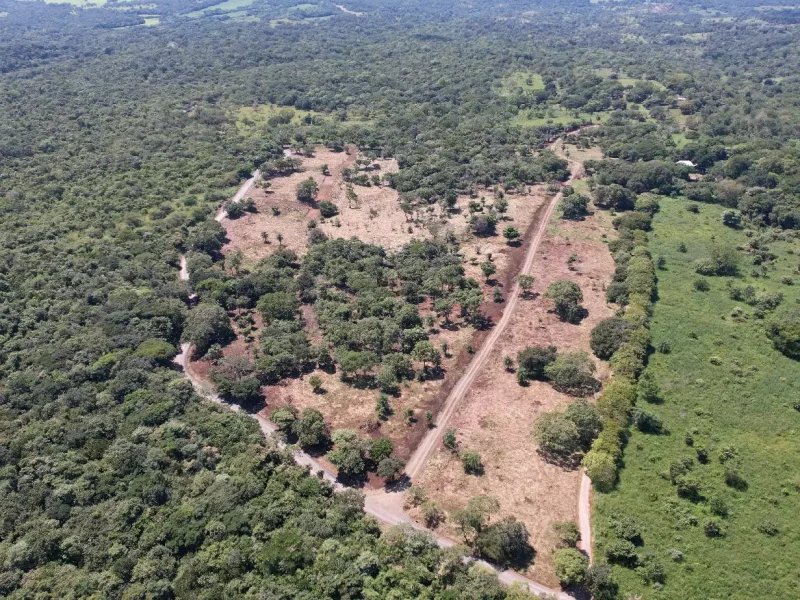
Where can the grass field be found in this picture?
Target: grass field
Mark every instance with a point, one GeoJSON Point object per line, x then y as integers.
{"type": "Point", "coordinates": [528, 82]}
{"type": "Point", "coordinates": [723, 384]}
{"type": "Point", "coordinates": [537, 117]}
{"type": "Point", "coordinates": [226, 6]}
{"type": "Point", "coordinates": [250, 120]}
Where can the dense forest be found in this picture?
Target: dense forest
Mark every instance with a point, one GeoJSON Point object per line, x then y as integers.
{"type": "Point", "coordinates": [119, 141]}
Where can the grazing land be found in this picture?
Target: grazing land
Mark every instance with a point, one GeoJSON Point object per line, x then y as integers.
{"type": "Point", "coordinates": [725, 390]}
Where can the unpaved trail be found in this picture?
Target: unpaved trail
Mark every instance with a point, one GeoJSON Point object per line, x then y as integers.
{"type": "Point", "coordinates": [385, 506]}
{"type": "Point", "coordinates": [221, 212]}
{"type": "Point", "coordinates": [183, 275]}
{"type": "Point", "coordinates": [423, 452]}
{"type": "Point", "coordinates": [585, 516]}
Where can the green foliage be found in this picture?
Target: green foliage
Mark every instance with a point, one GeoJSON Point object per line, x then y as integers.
{"type": "Point", "coordinates": [328, 209]}
{"type": "Point", "coordinates": [310, 428]}
{"type": "Point", "coordinates": [608, 336]}
{"type": "Point", "coordinates": [566, 296]}
{"type": "Point", "coordinates": [157, 350]}
{"type": "Point", "coordinates": [207, 324]}
{"type": "Point", "coordinates": [567, 533]}
{"type": "Point", "coordinates": [307, 190]}
{"type": "Point", "coordinates": [784, 331]}
{"type": "Point", "coordinates": [505, 543]}
{"type": "Point", "coordinates": [532, 361]}
{"type": "Point", "coordinates": [601, 469]}
{"type": "Point", "coordinates": [556, 435]}
{"type": "Point", "coordinates": [573, 207]}
{"type": "Point", "coordinates": [472, 463]}
{"type": "Point", "coordinates": [570, 565]}
{"type": "Point", "coordinates": [573, 373]}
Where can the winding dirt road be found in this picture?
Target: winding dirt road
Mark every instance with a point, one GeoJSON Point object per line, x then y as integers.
{"type": "Point", "coordinates": [385, 506]}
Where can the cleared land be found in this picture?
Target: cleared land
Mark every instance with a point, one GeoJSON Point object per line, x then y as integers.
{"type": "Point", "coordinates": [497, 416]}
{"type": "Point", "coordinates": [724, 385]}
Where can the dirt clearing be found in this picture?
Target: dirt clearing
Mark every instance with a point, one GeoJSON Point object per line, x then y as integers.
{"type": "Point", "coordinates": [497, 415]}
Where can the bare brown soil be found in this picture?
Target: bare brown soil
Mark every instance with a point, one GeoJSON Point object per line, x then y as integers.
{"type": "Point", "coordinates": [497, 415]}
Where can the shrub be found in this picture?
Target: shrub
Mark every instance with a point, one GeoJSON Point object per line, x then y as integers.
{"type": "Point", "coordinates": [724, 260]}
{"type": "Point", "coordinates": [700, 285]}
{"type": "Point", "coordinates": [626, 528]}
{"type": "Point", "coordinates": [609, 440]}
{"type": "Point", "coordinates": [768, 528]}
{"type": "Point", "coordinates": [784, 331]}
{"type": "Point", "coordinates": [471, 461]}
{"type": "Point", "coordinates": [617, 400]}
{"type": "Point", "coordinates": [567, 533]}
{"type": "Point", "coordinates": [449, 441]}
{"type": "Point", "coordinates": [381, 448]}
{"type": "Point", "coordinates": [608, 336]}
{"type": "Point", "coordinates": [157, 350]}
{"type": "Point", "coordinates": [633, 220]}
{"type": "Point", "coordinates": [432, 515]}
{"type": "Point", "coordinates": [505, 543]}
{"type": "Point", "coordinates": [566, 296]}
{"type": "Point", "coordinates": [648, 389]}
{"type": "Point", "coordinates": [307, 190]}
{"type": "Point", "coordinates": [532, 361]}
{"type": "Point", "coordinates": [284, 418]}
{"type": "Point", "coordinates": [622, 552]}
{"type": "Point", "coordinates": [328, 209]}
{"type": "Point", "coordinates": [731, 218]}
{"type": "Point", "coordinates": [599, 583]}
{"type": "Point", "coordinates": [573, 373]}
{"type": "Point", "coordinates": [617, 292]}
{"type": "Point", "coordinates": [645, 421]}
{"type": "Point", "coordinates": [556, 435]}
{"type": "Point", "coordinates": [310, 428]}
{"type": "Point", "coordinates": [601, 468]}
{"type": "Point", "coordinates": [390, 467]}
{"type": "Point", "coordinates": [573, 206]}
{"type": "Point", "coordinates": [587, 420]}
{"type": "Point", "coordinates": [713, 528]}
{"type": "Point", "coordinates": [570, 565]}
{"type": "Point", "coordinates": [348, 453]}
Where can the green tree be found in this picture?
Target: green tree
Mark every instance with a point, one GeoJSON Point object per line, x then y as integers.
{"type": "Point", "coordinates": [573, 373]}
{"type": "Point", "coordinates": [278, 306]}
{"type": "Point", "coordinates": [488, 269]}
{"type": "Point", "coordinates": [532, 361]}
{"type": "Point", "coordinates": [390, 467]}
{"type": "Point", "coordinates": [157, 350]}
{"type": "Point", "coordinates": [348, 453]}
{"type": "Point", "coordinates": [311, 429]}
{"type": "Point", "coordinates": [573, 207]}
{"type": "Point", "coordinates": [472, 463]}
{"type": "Point", "coordinates": [381, 448]}
{"type": "Point", "coordinates": [608, 335]}
{"type": "Point", "coordinates": [511, 234]}
{"type": "Point", "coordinates": [571, 566]}
{"type": "Point", "coordinates": [784, 331]}
{"type": "Point", "coordinates": [425, 352]}
{"type": "Point", "coordinates": [556, 435]}
{"type": "Point", "coordinates": [207, 324]}
{"type": "Point", "coordinates": [307, 191]}
{"type": "Point", "coordinates": [566, 296]}
{"type": "Point", "coordinates": [601, 469]}
{"type": "Point", "coordinates": [526, 283]}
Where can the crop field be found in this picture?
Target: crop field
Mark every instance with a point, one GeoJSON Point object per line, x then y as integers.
{"type": "Point", "coordinates": [727, 399]}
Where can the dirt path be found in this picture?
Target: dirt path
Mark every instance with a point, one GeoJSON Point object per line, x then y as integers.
{"type": "Point", "coordinates": [387, 506]}
{"type": "Point", "coordinates": [221, 212]}
{"type": "Point", "coordinates": [417, 462]}
{"type": "Point", "coordinates": [585, 517]}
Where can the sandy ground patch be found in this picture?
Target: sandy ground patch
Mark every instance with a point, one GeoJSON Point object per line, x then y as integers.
{"type": "Point", "coordinates": [497, 416]}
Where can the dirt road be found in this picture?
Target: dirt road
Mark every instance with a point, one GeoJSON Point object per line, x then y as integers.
{"type": "Point", "coordinates": [221, 212]}
{"type": "Point", "coordinates": [418, 460]}
{"type": "Point", "coordinates": [585, 516]}
{"type": "Point", "coordinates": [386, 506]}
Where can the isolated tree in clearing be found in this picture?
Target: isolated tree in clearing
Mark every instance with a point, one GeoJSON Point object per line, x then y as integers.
{"type": "Point", "coordinates": [307, 191]}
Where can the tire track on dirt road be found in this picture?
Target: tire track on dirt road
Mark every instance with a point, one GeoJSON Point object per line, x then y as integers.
{"type": "Point", "coordinates": [423, 452]}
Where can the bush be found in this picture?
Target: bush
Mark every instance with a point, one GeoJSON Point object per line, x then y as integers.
{"type": "Point", "coordinates": [348, 453]}
{"type": "Point", "coordinates": [567, 533]}
{"type": "Point", "coordinates": [587, 420]}
{"type": "Point", "coordinates": [622, 552]}
{"type": "Point", "coordinates": [713, 528]}
{"type": "Point", "coordinates": [599, 583]}
{"type": "Point", "coordinates": [724, 260]}
{"type": "Point", "coordinates": [784, 331]}
{"type": "Point", "coordinates": [311, 429]}
{"type": "Point", "coordinates": [471, 461]}
{"type": "Point", "coordinates": [617, 400]}
{"type": "Point", "coordinates": [505, 544]}
{"type": "Point", "coordinates": [608, 336]}
{"type": "Point", "coordinates": [556, 435]}
{"type": "Point", "coordinates": [566, 296]}
{"type": "Point", "coordinates": [601, 468]}
{"type": "Point", "coordinates": [284, 418]}
{"type": "Point", "coordinates": [573, 373]}
{"type": "Point", "coordinates": [731, 218]}
{"type": "Point", "coordinates": [328, 209]}
{"type": "Point", "coordinates": [570, 565]}
{"type": "Point", "coordinates": [633, 220]}
{"type": "Point", "coordinates": [609, 440]}
{"type": "Point", "coordinates": [700, 285]}
{"type": "Point", "coordinates": [645, 421]}
{"type": "Point", "coordinates": [532, 362]}
{"type": "Point", "coordinates": [617, 292]}
{"type": "Point", "coordinates": [390, 467]}
{"type": "Point", "coordinates": [381, 448]}
{"type": "Point", "coordinates": [573, 206]}
{"type": "Point", "coordinates": [157, 350]}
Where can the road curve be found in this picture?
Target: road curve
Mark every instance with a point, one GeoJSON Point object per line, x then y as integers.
{"type": "Point", "coordinates": [372, 506]}
{"type": "Point", "coordinates": [417, 462]}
